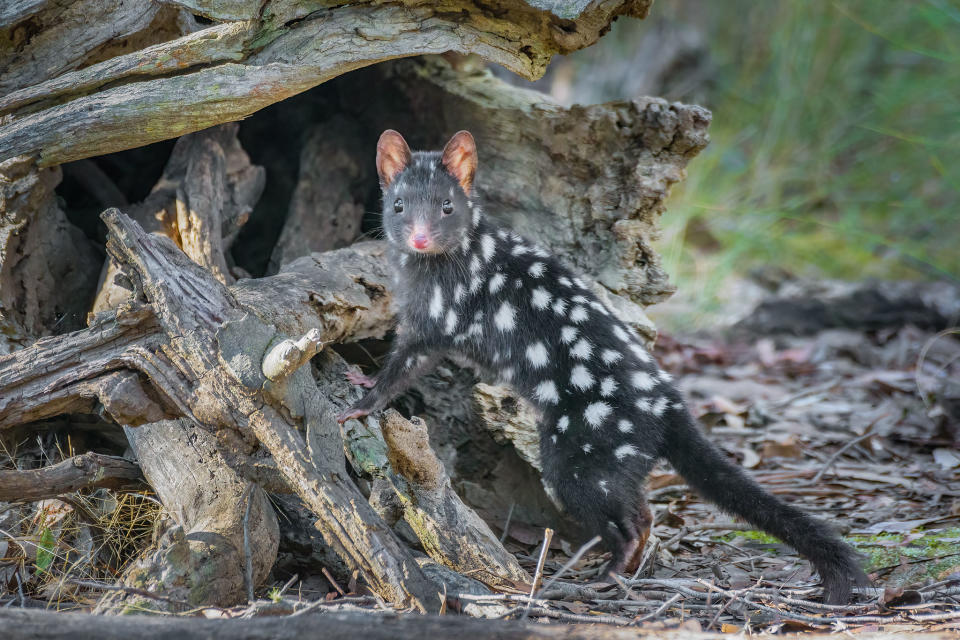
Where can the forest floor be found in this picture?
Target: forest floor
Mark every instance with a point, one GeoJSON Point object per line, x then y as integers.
{"type": "Point", "coordinates": [855, 425]}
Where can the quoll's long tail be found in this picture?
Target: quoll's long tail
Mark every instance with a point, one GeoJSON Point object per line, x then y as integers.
{"type": "Point", "coordinates": [706, 469]}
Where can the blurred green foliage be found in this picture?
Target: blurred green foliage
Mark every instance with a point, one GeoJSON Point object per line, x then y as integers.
{"type": "Point", "coordinates": [835, 138]}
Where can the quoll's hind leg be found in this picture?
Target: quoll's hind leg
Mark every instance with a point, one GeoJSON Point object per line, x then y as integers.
{"type": "Point", "coordinates": [613, 508]}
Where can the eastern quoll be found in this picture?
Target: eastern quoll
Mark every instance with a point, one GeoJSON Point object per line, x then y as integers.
{"type": "Point", "coordinates": [607, 412]}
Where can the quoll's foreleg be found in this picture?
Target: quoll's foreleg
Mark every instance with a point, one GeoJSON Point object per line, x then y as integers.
{"type": "Point", "coordinates": [404, 365]}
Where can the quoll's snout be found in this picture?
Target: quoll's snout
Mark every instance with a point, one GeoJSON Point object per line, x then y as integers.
{"type": "Point", "coordinates": [419, 239]}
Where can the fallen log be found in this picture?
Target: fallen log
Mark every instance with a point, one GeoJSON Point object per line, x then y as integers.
{"type": "Point", "coordinates": [23, 624]}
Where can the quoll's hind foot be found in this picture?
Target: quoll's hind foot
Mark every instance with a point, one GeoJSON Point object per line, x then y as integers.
{"type": "Point", "coordinates": [630, 543]}
{"type": "Point", "coordinates": [360, 379]}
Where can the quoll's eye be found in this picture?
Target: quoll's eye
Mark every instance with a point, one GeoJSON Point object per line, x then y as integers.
{"type": "Point", "coordinates": [447, 207]}
{"type": "Point", "coordinates": [398, 205]}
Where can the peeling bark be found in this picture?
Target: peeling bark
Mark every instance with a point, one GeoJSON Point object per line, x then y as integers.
{"type": "Point", "coordinates": [47, 266]}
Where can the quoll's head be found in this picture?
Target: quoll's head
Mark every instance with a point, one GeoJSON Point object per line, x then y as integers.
{"type": "Point", "coordinates": [426, 195]}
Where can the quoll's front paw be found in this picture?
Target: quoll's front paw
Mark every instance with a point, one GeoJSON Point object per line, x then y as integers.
{"type": "Point", "coordinates": [352, 413]}
{"type": "Point", "coordinates": [360, 380]}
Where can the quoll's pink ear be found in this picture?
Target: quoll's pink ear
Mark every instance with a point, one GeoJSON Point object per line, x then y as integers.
{"type": "Point", "coordinates": [460, 159]}
{"type": "Point", "coordinates": [393, 156]}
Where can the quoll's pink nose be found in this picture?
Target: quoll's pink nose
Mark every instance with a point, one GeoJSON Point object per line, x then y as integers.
{"type": "Point", "coordinates": [419, 240]}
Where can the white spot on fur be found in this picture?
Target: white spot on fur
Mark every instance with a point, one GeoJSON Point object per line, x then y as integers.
{"type": "Point", "coordinates": [502, 234]}
{"type": "Point", "coordinates": [553, 439]}
{"type": "Point", "coordinates": [625, 426]}
{"type": "Point", "coordinates": [540, 252]}
{"type": "Point", "coordinates": [540, 299]}
{"type": "Point", "coordinates": [664, 376]}
{"type": "Point", "coordinates": [536, 269]}
{"type": "Point", "coordinates": [475, 330]}
{"type": "Point", "coordinates": [607, 386]}
{"type": "Point", "coordinates": [643, 404]}
{"type": "Point", "coordinates": [609, 356]}
{"type": "Point", "coordinates": [546, 391]}
{"type": "Point", "coordinates": [580, 283]}
{"type": "Point", "coordinates": [537, 355]}
{"type": "Point", "coordinates": [487, 245]}
{"type": "Point", "coordinates": [475, 283]}
{"type": "Point", "coordinates": [578, 299]}
{"type": "Point", "coordinates": [403, 259]}
{"type": "Point", "coordinates": [476, 216]}
{"type": "Point", "coordinates": [559, 306]}
{"type": "Point", "coordinates": [474, 263]}
{"type": "Point", "coordinates": [578, 314]}
{"type": "Point", "coordinates": [518, 283]}
{"type": "Point", "coordinates": [587, 448]}
{"type": "Point", "coordinates": [596, 413]}
{"type": "Point", "coordinates": [599, 307]}
{"type": "Point", "coordinates": [659, 406]}
{"type": "Point", "coordinates": [581, 378]}
{"type": "Point", "coordinates": [620, 333]}
{"type": "Point", "coordinates": [507, 374]}
{"type": "Point", "coordinates": [568, 334]}
{"type": "Point", "coordinates": [496, 282]}
{"type": "Point", "coordinates": [465, 244]}
{"type": "Point", "coordinates": [436, 303]}
{"type": "Point", "coordinates": [640, 352]}
{"type": "Point", "coordinates": [565, 281]}
{"type": "Point", "coordinates": [603, 487]}
{"type": "Point", "coordinates": [408, 362]}
{"type": "Point", "coordinates": [519, 250]}
{"type": "Point", "coordinates": [582, 349]}
{"type": "Point", "coordinates": [625, 450]}
{"type": "Point", "coordinates": [451, 324]}
{"type": "Point", "coordinates": [505, 318]}
{"type": "Point", "coordinates": [642, 380]}
{"type": "Point", "coordinates": [458, 293]}
{"type": "Point", "coordinates": [563, 423]}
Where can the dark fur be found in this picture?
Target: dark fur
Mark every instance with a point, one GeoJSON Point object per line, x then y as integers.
{"type": "Point", "coordinates": [595, 472]}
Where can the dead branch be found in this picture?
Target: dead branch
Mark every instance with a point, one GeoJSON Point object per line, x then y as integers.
{"type": "Point", "coordinates": [451, 532]}
{"type": "Point", "coordinates": [86, 471]}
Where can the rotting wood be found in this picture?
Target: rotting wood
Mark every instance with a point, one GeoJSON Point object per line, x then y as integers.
{"type": "Point", "coordinates": [291, 47]}
{"type": "Point", "coordinates": [85, 471]}
{"type": "Point", "coordinates": [212, 367]}
{"type": "Point", "coordinates": [47, 266]}
{"type": "Point", "coordinates": [451, 532]}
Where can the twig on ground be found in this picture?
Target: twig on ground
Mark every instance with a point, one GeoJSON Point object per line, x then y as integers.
{"type": "Point", "coordinates": [839, 452]}
{"type": "Point", "coordinates": [538, 574]}
{"type": "Point", "coordinates": [329, 577]}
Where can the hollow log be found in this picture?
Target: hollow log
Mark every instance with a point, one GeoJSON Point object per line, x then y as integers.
{"type": "Point", "coordinates": [256, 54]}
